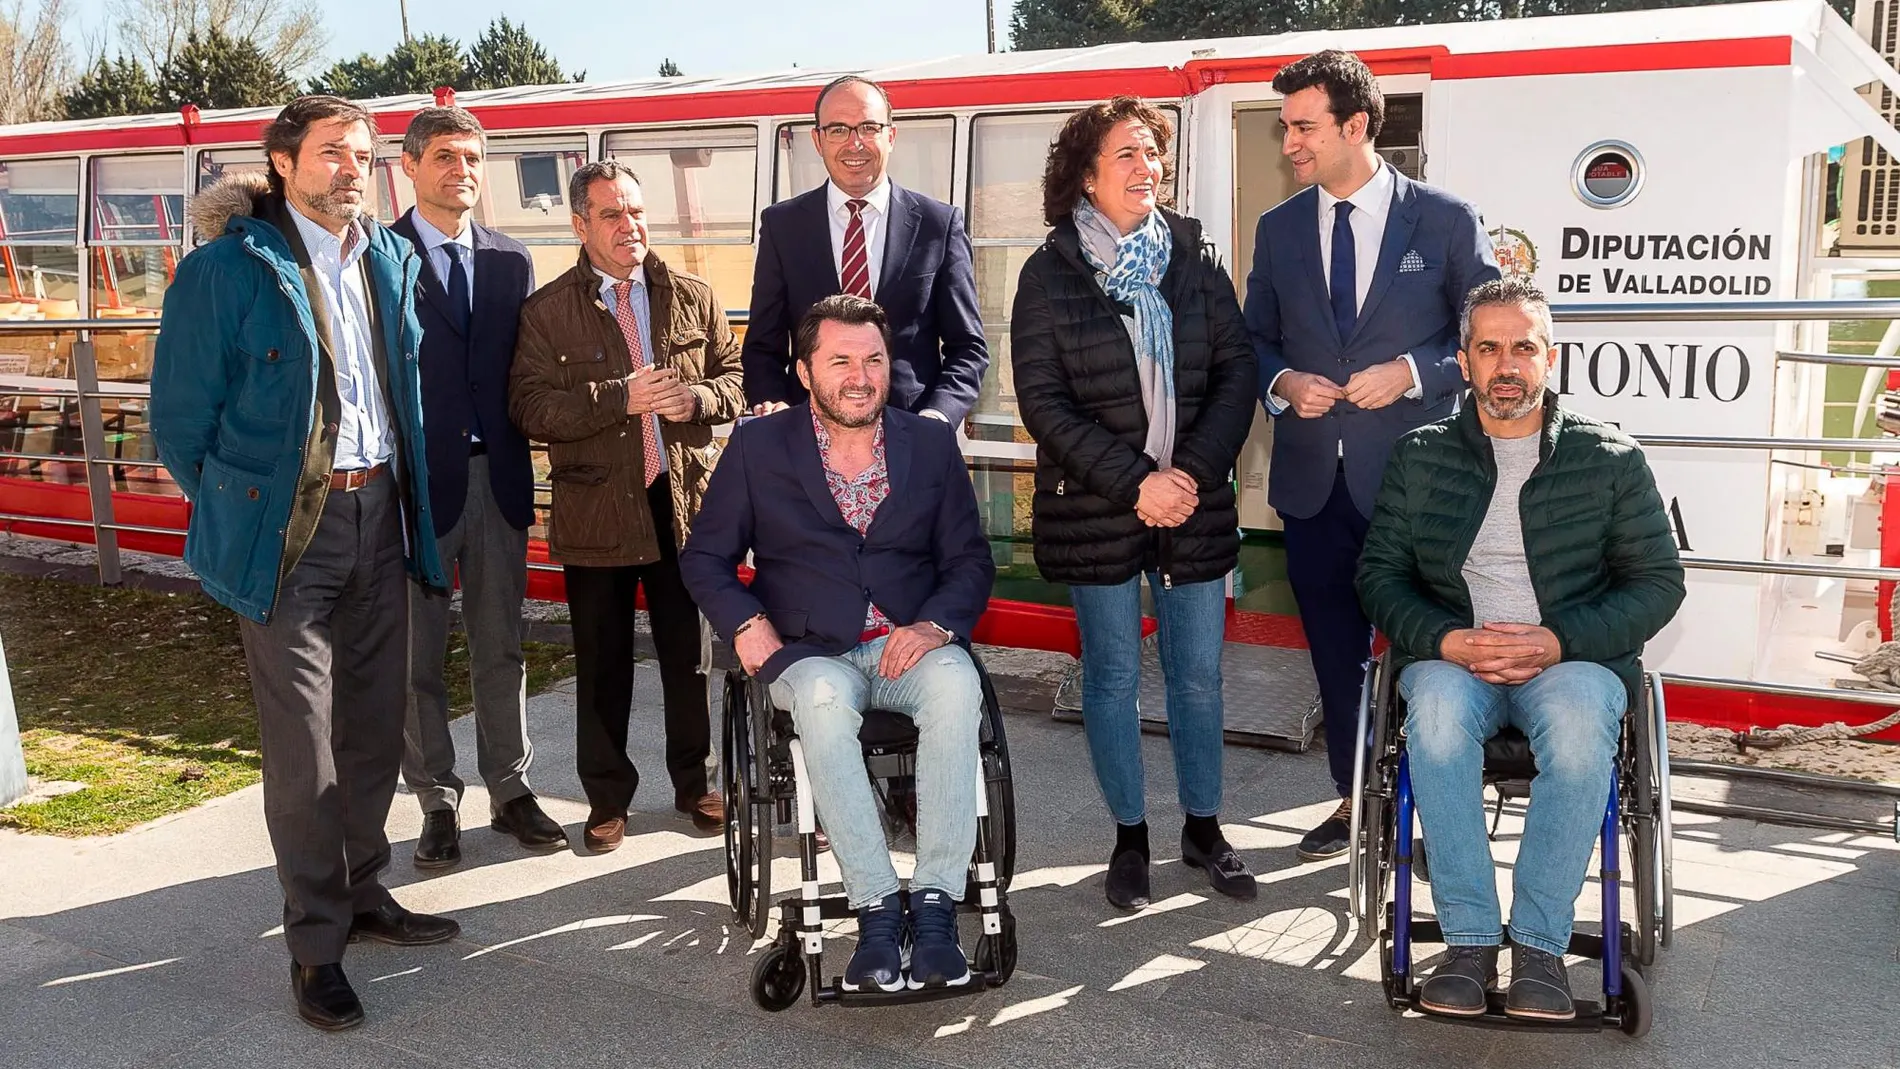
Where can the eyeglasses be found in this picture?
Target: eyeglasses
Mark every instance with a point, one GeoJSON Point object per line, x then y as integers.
{"type": "Point", "coordinates": [838, 133]}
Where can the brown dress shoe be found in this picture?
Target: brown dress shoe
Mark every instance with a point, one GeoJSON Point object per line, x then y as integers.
{"type": "Point", "coordinates": [708, 810]}
{"type": "Point", "coordinates": [604, 832]}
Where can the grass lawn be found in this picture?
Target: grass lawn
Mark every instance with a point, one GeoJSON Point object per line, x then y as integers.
{"type": "Point", "coordinates": [143, 697]}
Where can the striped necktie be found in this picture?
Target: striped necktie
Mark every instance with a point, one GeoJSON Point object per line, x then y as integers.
{"type": "Point", "coordinates": [856, 273]}
{"type": "Point", "coordinates": [637, 353]}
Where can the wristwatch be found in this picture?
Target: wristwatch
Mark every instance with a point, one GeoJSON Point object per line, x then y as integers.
{"type": "Point", "coordinates": [948, 635]}
{"type": "Point", "coordinates": [741, 629]}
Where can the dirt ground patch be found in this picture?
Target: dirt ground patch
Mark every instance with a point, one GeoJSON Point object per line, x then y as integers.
{"type": "Point", "coordinates": [1875, 761]}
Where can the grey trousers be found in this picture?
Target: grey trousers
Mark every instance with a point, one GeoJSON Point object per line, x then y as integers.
{"type": "Point", "coordinates": [492, 557]}
{"type": "Point", "coordinates": [328, 674]}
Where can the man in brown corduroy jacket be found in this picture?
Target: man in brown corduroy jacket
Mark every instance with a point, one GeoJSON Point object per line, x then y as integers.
{"type": "Point", "coordinates": [623, 367]}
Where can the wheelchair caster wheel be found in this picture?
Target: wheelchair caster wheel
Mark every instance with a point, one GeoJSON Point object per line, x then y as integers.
{"type": "Point", "coordinates": [997, 953]}
{"type": "Point", "coordinates": [778, 978]}
{"type": "Point", "coordinates": [1638, 1011]}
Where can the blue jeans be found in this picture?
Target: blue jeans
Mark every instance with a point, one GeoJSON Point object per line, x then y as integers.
{"type": "Point", "coordinates": [1572, 713]}
{"type": "Point", "coordinates": [1193, 622]}
{"type": "Point", "coordinates": [827, 697]}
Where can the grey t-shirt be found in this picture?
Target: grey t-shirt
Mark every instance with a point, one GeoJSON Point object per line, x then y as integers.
{"type": "Point", "coordinates": [1496, 572]}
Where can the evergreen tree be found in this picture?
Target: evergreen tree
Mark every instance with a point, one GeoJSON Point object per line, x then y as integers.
{"type": "Point", "coordinates": [216, 71]}
{"type": "Point", "coordinates": [119, 86]}
{"type": "Point", "coordinates": [670, 69]}
{"type": "Point", "coordinates": [506, 55]}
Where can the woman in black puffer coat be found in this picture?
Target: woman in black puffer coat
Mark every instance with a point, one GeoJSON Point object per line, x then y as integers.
{"type": "Point", "coordinates": [1135, 376]}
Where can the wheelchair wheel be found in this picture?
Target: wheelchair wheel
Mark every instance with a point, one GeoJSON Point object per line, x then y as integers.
{"type": "Point", "coordinates": [778, 978]}
{"type": "Point", "coordinates": [997, 953]}
{"type": "Point", "coordinates": [737, 780]}
{"type": "Point", "coordinates": [1377, 818]}
{"type": "Point", "coordinates": [1643, 803]}
{"type": "Point", "coordinates": [998, 784]}
{"type": "Point", "coordinates": [1638, 1011]}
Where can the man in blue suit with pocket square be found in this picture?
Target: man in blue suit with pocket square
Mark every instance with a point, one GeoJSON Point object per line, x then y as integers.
{"type": "Point", "coordinates": [863, 234]}
{"type": "Point", "coordinates": [1353, 306]}
{"type": "Point", "coordinates": [870, 572]}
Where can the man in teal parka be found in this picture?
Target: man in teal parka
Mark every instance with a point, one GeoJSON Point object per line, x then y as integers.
{"type": "Point", "coordinates": [1518, 559]}
{"type": "Point", "coordinates": [285, 402]}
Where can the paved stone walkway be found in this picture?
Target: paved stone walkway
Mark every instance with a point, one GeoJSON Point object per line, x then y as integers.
{"type": "Point", "coordinates": [157, 947]}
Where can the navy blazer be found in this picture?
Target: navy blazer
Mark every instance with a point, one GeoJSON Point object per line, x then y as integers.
{"type": "Point", "coordinates": [1434, 252]}
{"type": "Point", "coordinates": [926, 286]}
{"type": "Point", "coordinates": [464, 376]}
{"type": "Point", "coordinates": [924, 556]}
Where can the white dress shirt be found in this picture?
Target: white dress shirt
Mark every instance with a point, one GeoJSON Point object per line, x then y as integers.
{"type": "Point", "coordinates": [1371, 204]}
{"type": "Point", "coordinates": [875, 213]}
{"type": "Point", "coordinates": [364, 437]}
{"type": "Point", "coordinates": [643, 315]}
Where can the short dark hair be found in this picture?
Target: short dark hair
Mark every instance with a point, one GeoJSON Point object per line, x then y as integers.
{"type": "Point", "coordinates": [1350, 87]}
{"type": "Point", "coordinates": [586, 175]}
{"type": "Point", "coordinates": [839, 83]}
{"type": "Point", "coordinates": [287, 131]}
{"type": "Point", "coordinates": [848, 309]}
{"type": "Point", "coordinates": [1073, 152]}
{"type": "Point", "coordinates": [1511, 289]}
{"type": "Point", "coordinates": [431, 123]}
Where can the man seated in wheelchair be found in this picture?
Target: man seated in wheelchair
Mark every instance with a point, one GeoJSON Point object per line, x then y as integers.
{"type": "Point", "coordinates": [1518, 558]}
{"type": "Point", "coordinates": [871, 569]}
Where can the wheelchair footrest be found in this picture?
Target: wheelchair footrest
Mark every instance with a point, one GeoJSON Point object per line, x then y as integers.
{"type": "Point", "coordinates": [834, 992]}
{"type": "Point", "coordinates": [1589, 1018]}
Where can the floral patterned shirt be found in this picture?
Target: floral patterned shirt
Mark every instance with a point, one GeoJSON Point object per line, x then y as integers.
{"type": "Point", "coordinates": [858, 499]}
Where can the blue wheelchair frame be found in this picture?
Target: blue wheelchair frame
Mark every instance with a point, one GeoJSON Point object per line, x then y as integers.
{"type": "Point", "coordinates": [1383, 843]}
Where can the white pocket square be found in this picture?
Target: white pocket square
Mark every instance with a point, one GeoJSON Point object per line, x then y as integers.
{"type": "Point", "coordinates": [1411, 261]}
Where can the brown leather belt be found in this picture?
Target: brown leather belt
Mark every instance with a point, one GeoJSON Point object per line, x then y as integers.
{"type": "Point", "coordinates": [355, 480]}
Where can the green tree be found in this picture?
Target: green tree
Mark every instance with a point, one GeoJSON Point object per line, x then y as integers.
{"type": "Point", "coordinates": [418, 65]}
{"type": "Point", "coordinates": [506, 55]}
{"type": "Point", "coordinates": [119, 86]}
{"type": "Point", "coordinates": [670, 69]}
{"type": "Point", "coordinates": [1074, 23]}
{"type": "Point", "coordinates": [215, 71]}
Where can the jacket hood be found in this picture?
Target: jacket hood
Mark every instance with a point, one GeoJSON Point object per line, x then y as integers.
{"type": "Point", "coordinates": [231, 197]}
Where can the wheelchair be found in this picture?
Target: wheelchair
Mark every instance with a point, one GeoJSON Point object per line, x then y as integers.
{"type": "Point", "coordinates": [1384, 856]}
{"type": "Point", "coordinates": [766, 784]}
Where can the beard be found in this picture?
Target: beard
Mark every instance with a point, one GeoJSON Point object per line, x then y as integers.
{"type": "Point", "coordinates": [1529, 399]}
{"type": "Point", "coordinates": [831, 406]}
{"type": "Point", "coordinates": [332, 203]}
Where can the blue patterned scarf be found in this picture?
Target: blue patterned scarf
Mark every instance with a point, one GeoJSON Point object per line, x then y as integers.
{"type": "Point", "coordinates": [1129, 268]}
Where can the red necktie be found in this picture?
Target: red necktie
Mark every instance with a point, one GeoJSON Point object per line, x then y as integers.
{"type": "Point", "coordinates": [856, 275]}
{"type": "Point", "coordinates": [630, 329]}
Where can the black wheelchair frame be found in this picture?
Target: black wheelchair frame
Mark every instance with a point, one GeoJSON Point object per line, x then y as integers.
{"type": "Point", "coordinates": [1384, 855]}
{"type": "Point", "coordinates": [765, 781]}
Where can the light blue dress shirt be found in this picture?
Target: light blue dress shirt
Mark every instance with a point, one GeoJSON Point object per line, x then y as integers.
{"type": "Point", "coordinates": [642, 315]}
{"type": "Point", "coordinates": [432, 242]}
{"type": "Point", "coordinates": [364, 436]}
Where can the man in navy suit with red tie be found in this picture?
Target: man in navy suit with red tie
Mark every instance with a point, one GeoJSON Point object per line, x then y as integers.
{"type": "Point", "coordinates": [481, 487]}
{"type": "Point", "coordinates": [1353, 303]}
{"type": "Point", "coordinates": [862, 234]}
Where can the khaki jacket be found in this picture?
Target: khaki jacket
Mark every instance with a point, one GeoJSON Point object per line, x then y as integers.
{"type": "Point", "coordinates": [568, 388]}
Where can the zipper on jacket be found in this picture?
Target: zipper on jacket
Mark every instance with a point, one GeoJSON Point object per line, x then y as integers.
{"type": "Point", "coordinates": [303, 446]}
{"type": "Point", "coordinates": [1167, 558]}
{"type": "Point", "coordinates": [1060, 484]}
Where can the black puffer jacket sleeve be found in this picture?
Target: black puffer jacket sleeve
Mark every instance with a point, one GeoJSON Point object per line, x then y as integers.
{"type": "Point", "coordinates": [1088, 452]}
{"type": "Point", "coordinates": [1207, 449]}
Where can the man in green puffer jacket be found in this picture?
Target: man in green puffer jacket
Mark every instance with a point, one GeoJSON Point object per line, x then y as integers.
{"type": "Point", "coordinates": [1518, 558]}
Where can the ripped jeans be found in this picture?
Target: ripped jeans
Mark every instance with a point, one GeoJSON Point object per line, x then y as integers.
{"type": "Point", "coordinates": [827, 697]}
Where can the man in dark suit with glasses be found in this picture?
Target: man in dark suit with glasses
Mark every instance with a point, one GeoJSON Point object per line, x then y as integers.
{"type": "Point", "coordinates": [863, 234]}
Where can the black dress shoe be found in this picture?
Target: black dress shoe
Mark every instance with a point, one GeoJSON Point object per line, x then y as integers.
{"type": "Point", "coordinates": [324, 998]}
{"type": "Point", "coordinates": [440, 844]}
{"type": "Point", "coordinates": [1224, 869]}
{"type": "Point", "coordinates": [398, 927]}
{"type": "Point", "coordinates": [1331, 838]}
{"type": "Point", "coordinates": [522, 818]}
{"type": "Point", "coordinates": [1127, 883]}
{"type": "Point", "coordinates": [1460, 987]}
{"type": "Point", "coordinates": [1540, 989]}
